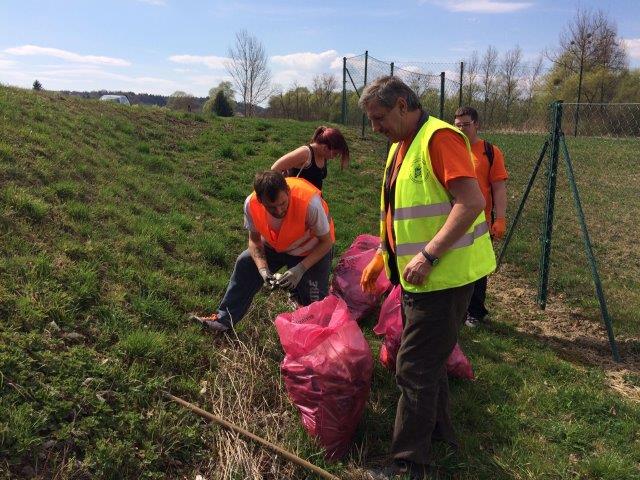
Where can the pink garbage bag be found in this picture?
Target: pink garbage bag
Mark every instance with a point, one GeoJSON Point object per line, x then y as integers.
{"type": "Point", "coordinates": [346, 277]}
{"type": "Point", "coordinates": [327, 371]}
{"type": "Point", "coordinates": [390, 325]}
{"type": "Point", "coordinates": [458, 365]}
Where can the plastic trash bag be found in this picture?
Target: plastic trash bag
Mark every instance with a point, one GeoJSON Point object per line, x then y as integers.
{"type": "Point", "coordinates": [327, 371]}
{"type": "Point", "coordinates": [458, 365]}
{"type": "Point", "coordinates": [346, 277]}
{"type": "Point", "coordinates": [390, 325]}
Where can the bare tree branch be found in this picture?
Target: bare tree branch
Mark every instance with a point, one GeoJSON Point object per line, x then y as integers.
{"type": "Point", "coordinates": [248, 68]}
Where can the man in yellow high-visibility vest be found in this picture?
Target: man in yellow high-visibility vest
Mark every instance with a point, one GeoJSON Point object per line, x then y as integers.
{"type": "Point", "coordinates": [435, 243]}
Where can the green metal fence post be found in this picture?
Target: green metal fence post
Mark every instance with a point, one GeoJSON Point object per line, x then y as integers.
{"type": "Point", "coordinates": [366, 64]}
{"type": "Point", "coordinates": [547, 230]}
{"type": "Point", "coordinates": [461, 75]}
{"type": "Point", "coordinates": [514, 223]}
{"type": "Point", "coordinates": [344, 90]}
{"type": "Point", "coordinates": [604, 312]}
{"type": "Point", "coordinates": [441, 95]}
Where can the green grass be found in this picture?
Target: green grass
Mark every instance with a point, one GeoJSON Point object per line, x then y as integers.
{"type": "Point", "coordinates": [116, 222]}
{"type": "Point", "coordinates": [607, 178]}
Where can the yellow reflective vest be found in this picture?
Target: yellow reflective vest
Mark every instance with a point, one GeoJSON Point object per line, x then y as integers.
{"type": "Point", "coordinates": [421, 208]}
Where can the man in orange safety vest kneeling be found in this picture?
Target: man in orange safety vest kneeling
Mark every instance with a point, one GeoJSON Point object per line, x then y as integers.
{"type": "Point", "coordinates": [289, 226]}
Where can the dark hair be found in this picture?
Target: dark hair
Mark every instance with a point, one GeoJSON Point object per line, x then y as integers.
{"type": "Point", "coordinates": [472, 112]}
{"type": "Point", "coordinates": [269, 184]}
{"type": "Point", "coordinates": [333, 138]}
{"type": "Point", "coordinates": [386, 91]}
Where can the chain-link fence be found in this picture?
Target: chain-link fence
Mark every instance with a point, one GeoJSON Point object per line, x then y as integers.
{"type": "Point", "coordinates": [587, 207]}
{"type": "Point", "coordinates": [438, 85]}
{"type": "Point", "coordinates": [611, 120]}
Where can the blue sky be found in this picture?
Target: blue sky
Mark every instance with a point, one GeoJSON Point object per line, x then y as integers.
{"type": "Point", "coordinates": [159, 46]}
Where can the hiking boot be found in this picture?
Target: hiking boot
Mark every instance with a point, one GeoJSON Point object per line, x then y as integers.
{"type": "Point", "coordinates": [210, 322]}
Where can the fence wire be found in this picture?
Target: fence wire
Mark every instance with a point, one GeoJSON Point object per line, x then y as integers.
{"type": "Point", "coordinates": [602, 141]}
{"type": "Point", "coordinates": [609, 120]}
{"type": "Point", "coordinates": [436, 84]}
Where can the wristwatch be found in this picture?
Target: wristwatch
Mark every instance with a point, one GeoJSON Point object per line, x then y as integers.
{"type": "Point", "coordinates": [432, 259]}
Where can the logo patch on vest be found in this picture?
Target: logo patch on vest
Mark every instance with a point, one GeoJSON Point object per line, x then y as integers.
{"type": "Point", "coordinates": [416, 171]}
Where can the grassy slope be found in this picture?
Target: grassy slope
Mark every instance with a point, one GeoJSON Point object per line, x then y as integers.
{"type": "Point", "coordinates": [116, 221]}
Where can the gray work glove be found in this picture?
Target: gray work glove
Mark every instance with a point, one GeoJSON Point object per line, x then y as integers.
{"type": "Point", "coordinates": [268, 278]}
{"type": "Point", "coordinates": [292, 277]}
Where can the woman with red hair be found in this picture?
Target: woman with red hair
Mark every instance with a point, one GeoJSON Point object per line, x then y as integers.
{"type": "Point", "coordinates": [310, 161]}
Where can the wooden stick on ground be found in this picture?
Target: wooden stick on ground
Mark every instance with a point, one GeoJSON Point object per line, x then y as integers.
{"type": "Point", "coordinates": [265, 443]}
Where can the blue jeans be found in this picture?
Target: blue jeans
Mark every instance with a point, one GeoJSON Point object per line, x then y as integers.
{"type": "Point", "coordinates": [245, 282]}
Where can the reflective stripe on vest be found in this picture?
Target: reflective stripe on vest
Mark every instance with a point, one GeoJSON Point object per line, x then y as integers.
{"type": "Point", "coordinates": [293, 237]}
{"type": "Point", "coordinates": [422, 206]}
{"type": "Point", "coordinates": [419, 211]}
{"type": "Point", "coordinates": [464, 241]}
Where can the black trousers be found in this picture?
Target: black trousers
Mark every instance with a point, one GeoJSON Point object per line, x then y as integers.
{"type": "Point", "coordinates": [476, 306]}
{"type": "Point", "coordinates": [431, 323]}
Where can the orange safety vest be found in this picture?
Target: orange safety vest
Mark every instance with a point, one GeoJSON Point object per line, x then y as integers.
{"type": "Point", "coordinates": [293, 226]}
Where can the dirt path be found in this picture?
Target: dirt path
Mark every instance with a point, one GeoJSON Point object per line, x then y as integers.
{"type": "Point", "coordinates": [576, 336]}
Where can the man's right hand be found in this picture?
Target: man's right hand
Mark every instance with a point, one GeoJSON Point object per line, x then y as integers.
{"type": "Point", "coordinates": [268, 278]}
{"type": "Point", "coordinates": [371, 273]}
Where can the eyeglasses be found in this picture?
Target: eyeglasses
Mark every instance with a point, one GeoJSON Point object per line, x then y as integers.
{"type": "Point", "coordinates": [465, 124]}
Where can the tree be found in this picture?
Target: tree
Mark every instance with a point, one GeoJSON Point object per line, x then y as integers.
{"type": "Point", "coordinates": [471, 77]}
{"type": "Point", "coordinates": [324, 87]}
{"type": "Point", "coordinates": [221, 105]}
{"type": "Point", "coordinates": [226, 88]}
{"type": "Point", "coordinates": [180, 100]}
{"type": "Point", "coordinates": [590, 50]}
{"type": "Point", "coordinates": [37, 85]}
{"type": "Point", "coordinates": [247, 66]}
{"type": "Point", "coordinates": [532, 77]}
{"type": "Point", "coordinates": [510, 71]}
{"type": "Point", "coordinates": [488, 69]}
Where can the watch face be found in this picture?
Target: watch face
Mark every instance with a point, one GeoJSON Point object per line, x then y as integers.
{"type": "Point", "coordinates": [435, 261]}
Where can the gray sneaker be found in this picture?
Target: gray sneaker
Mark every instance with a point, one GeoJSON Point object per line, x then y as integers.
{"type": "Point", "coordinates": [400, 469]}
{"type": "Point", "coordinates": [471, 321]}
{"type": "Point", "coordinates": [210, 322]}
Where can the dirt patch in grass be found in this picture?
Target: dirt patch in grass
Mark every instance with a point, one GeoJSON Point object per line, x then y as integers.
{"type": "Point", "coordinates": [572, 333]}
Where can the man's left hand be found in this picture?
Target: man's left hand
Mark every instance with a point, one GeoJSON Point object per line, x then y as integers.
{"type": "Point", "coordinates": [417, 270]}
{"type": "Point", "coordinates": [292, 277]}
{"type": "Point", "coordinates": [498, 228]}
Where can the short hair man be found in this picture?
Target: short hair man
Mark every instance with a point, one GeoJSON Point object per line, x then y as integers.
{"type": "Point", "coordinates": [492, 175]}
{"type": "Point", "coordinates": [434, 243]}
{"type": "Point", "coordinates": [289, 226]}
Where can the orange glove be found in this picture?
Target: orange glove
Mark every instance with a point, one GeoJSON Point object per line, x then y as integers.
{"type": "Point", "coordinates": [498, 228]}
{"type": "Point", "coordinates": [371, 273]}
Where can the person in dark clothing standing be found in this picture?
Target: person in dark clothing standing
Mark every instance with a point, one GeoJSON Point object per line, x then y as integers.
{"type": "Point", "coordinates": [310, 161]}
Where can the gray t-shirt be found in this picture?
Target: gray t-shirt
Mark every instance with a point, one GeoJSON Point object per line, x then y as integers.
{"type": "Point", "coordinates": [316, 223]}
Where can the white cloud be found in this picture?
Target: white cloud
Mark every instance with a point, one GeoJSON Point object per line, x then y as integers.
{"type": "Point", "coordinates": [307, 60]}
{"type": "Point", "coordinates": [633, 47]}
{"type": "Point", "coordinates": [96, 73]}
{"type": "Point", "coordinates": [66, 55]}
{"type": "Point", "coordinates": [481, 6]}
{"type": "Point", "coordinates": [5, 62]}
{"type": "Point", "coordinates": [154, 2]}
{"type": "Point", "coordinates": [210, 61]}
